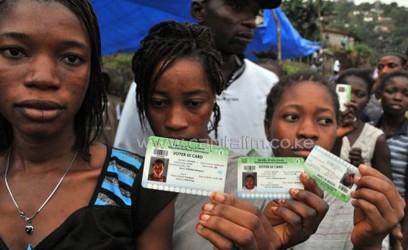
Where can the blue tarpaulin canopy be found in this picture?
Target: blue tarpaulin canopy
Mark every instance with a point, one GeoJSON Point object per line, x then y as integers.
{"type": "Point", "coordinates": [124, 23]}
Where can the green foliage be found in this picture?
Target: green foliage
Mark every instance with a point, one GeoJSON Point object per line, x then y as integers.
{"type": "Point", "coordinates": [120, 61]}
{"type": "Point", "coordinates": [292, 66]}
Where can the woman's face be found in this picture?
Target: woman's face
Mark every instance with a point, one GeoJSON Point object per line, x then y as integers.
{"type": "Point", "coordinates": [181, 103]}
{"type": "Point", "coordinates": [359, 92]}
{"type": "Point", "coordinates": [44, 68]}
{"type": "Point", "coordinates": [394, 97]}
{"type": "Point", "coordinates": [301, 121]}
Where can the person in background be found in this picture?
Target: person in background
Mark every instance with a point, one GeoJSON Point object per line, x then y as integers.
{"type": "Point", "coordinates": [393, 91]}
{"type": "Point", "coordinates": [242, 100]}
{"type": "Point", "coordinates": [387, 63]}
{"type": "Point", "coordinates": [366, 144]}
{"type": "Point", "coordinates": [113, 81]}
{"type": "Point", "coordinates": [60, 189]}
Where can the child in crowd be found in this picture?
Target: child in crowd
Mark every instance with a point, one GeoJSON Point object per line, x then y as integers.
{"type": "Point", "coordinates": [388, 63]}
{"type": "Point", "coordinates": [366, 144]}
{"type": "Point", "coordinates": [59, 189]}
{"type": "Point", "coordinates": [179, 75]}
{"type": "Point", "coordinates": [290, 115]}
{"type": "Point", "coordinates": [394, 99]}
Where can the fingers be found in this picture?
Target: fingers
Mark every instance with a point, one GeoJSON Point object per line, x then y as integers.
{"type": "Point", "coordinates": [228, 220]}
{"type": "Point", "coordinates": [376, 188]}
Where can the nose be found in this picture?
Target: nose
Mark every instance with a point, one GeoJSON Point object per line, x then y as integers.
{"type": "Point", "coordinates": [42, 73]}
{"type": "Point", "coordinates": [308, 130]}
{"type": "Point", "coordinates": [176, 119]}
{"type": "Point", "coordinates": [249, 20]}
{"type": "Point", "coordinates": [397, 96]}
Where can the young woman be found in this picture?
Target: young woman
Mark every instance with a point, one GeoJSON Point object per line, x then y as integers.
{"type": "Point", "coordinates": [291, 116]}
{"type": "Point", "coordinates": [59, 189]}
{"type": "Point", "coordinates": [178, 75]}
{"type": "Point", "coordinates": [366, 144]}
{"type": "Point", "coordinates": [394, 100]}
{"type": "Point", "coordinates": [389, 62]}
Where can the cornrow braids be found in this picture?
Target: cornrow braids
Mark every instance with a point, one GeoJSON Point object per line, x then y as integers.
{"type": "Point", "coordinates": [290, 80]}
{"type": "Point", "coordinates": [88, 122]}
{"type": "Point", "coordinates": [166, 43]}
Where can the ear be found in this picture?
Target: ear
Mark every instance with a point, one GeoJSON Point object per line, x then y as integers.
{"type": "Point", "coordinates": [197, 11]}
{"type": "Point", "coordinates": [267, 127]}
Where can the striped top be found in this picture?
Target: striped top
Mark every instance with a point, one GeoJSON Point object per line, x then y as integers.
{"type": "Point", "coordinates": [119, 210]}
{"type": "Point", "coordinates": [398, 144]}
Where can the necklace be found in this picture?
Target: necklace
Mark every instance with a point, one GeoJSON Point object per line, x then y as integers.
{"type": "Point", "coordinates": [29, 228]}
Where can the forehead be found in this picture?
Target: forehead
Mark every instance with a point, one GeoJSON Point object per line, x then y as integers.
{"type": "Point", "coordinates": [390, 59]}
{"type": "Point", "coordinates": [399, 81]}
{"type": "Point", "coordinates": [356, 81]}
{"type": "Point", "coordinates": [42, 18]}
{"type": "Point", "coordinates": [305, 90]}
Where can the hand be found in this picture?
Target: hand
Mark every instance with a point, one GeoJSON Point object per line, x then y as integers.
{"type": "Point", "coordinates": [295, 220]}
{"type": "Point", "coordinates": [355, 157]}
{"type": "Point", "coordinates": [378, 209]}
{"type": "Point", "coordinates": [230, 223]}
{"type": "Point", "coordinates": [348, 120]}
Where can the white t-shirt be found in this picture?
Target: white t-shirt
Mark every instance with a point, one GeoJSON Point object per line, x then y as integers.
{"type": "Point", "coordinates": [242, 107]}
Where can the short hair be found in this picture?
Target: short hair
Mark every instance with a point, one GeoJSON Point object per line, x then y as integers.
{"type": "Point", "coordinates": [168, 42]}
{"type": "Point", "coordinates": [290, 80]}
{"type": "Point", "coordinates": [363, 74]}
{"type": "Point", "coordinates": [403, 58]}
{"type": "Point", "coordinates": [88, 121]}
{"type": "Point", "coordinates": [158, 161]}
{"type": "Point", "coordinates": [385, 79]}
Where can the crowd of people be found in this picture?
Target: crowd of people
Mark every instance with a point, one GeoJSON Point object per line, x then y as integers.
{"type": "Point", "coordinates": [62, 188]}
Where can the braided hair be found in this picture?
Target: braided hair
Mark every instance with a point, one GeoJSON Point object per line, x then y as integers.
{"type": "Point", "coordinates": [166, 43]}
{"type": "Point", "coordinates": [88, 122]}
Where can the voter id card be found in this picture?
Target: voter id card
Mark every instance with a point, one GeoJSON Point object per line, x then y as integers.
{"type": "Point", "coordinates": [268, 177]}
{"type": "Point", "coordinates": [184, 166]}
{"type": "Point", "coordinates": [332, 174]}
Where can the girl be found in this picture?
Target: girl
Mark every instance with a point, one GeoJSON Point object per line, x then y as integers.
{"type": "Point", "coordinates": [394, 100]}
{"type": "Point", "coordinates": [178, 75]}
{"type": "Point", "coordinates": [389, 62]}
{"type": "Point", "coordinates": [59, 189]}
{"type": "Point", "coordinates": [291, 116]}
{"type": "Point", "coordinates": [365, 144]}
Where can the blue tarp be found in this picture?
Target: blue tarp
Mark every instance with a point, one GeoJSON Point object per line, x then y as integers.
{"type": "Point", "coordinates": [124, 23]}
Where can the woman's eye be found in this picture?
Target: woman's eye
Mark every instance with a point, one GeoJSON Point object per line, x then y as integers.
{"type": "Point", "coordinates": [72, 59]}
{"type": "Point", "coordinates": [13, 52]}
{"type": "Point", "coordinates": [291, 118]}
{"type": "Point", "coordinates": [360, 94]}
{"type": "Point", "coordinates": [325, 121]}
{"type": "Point", "coordinates": [158, 103]}
{"type": "Point", "coordinates": [194, 104]}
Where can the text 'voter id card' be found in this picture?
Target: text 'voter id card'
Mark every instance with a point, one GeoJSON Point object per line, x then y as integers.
{"type": "Point", "coordinates": [332, 174]}
{"type": "Point", "coordinates": [268, 177]}
{"type": "Point", "coordinates": [184, 166]}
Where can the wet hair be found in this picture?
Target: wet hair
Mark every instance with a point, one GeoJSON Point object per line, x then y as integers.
{"type": "Point", "coordinates": [363, 74]}
{"type": "Point", "coordinates": [290, 80]}
{"type": "Point", "coordinates": [167, 43]}
{"type": "Point", "coordinates": [385, 79]}
{"type": "Point", "coordinates": [88, 121]}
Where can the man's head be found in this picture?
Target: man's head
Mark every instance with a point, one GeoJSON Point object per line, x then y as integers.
{"type": "Point", "coordinates": [231, 21]}
{"type": "Point", "coordinates": [249, 182]}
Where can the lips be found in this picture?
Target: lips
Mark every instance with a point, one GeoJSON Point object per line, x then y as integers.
{"type": "Point", "coordinates": [245, 36]}
{"type": "Point", "coordinates": [40, 110]}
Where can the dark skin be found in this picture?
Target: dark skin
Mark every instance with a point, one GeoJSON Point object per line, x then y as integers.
{"type": "Point", "coordinates": [359, 99]}
{"type": "Point", "coordinates": [395, 103]}
{"type": "Point", "coordinates": [231, 38]}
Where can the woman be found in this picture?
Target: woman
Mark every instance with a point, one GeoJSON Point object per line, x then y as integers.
{"type": "Point", "coordinates": [59, 189]}
{"type": "Point", "coordinates": [178, 74]}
